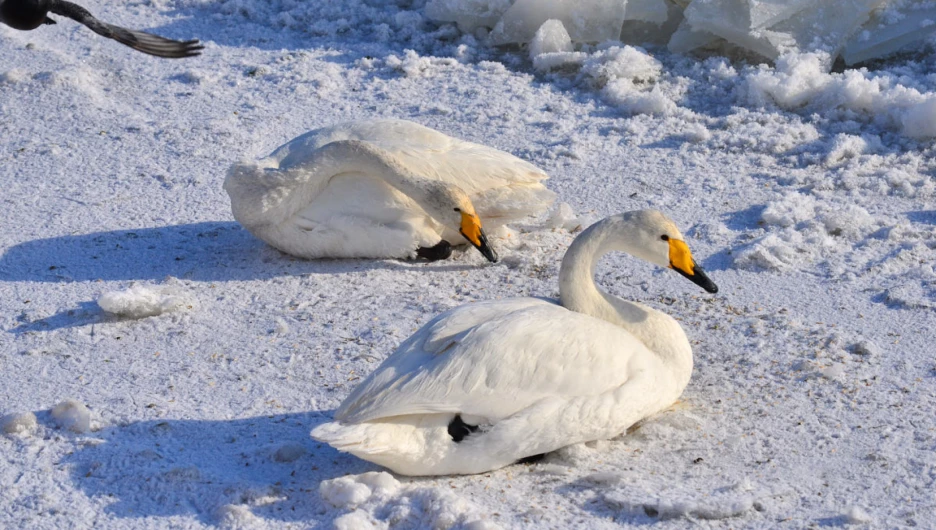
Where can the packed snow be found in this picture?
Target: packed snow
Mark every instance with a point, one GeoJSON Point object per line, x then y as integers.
{"type": "Point", "coordinates": [796, 157]}
{"type": "Point", "coordinates": [139, 301]}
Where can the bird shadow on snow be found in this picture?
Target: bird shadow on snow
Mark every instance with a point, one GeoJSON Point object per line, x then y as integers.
{"type": "Point", "coordinates": [266, 464]}
{"type": "Point", "coordinates": [209, 251]}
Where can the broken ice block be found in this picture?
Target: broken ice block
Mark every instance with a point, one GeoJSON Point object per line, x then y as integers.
{"type": "Point", "coordinates": [585, 20]}
{"type": "Point", "coordinates": [890, 30]}
{"type": "Point", "coordinates": [468, 14]}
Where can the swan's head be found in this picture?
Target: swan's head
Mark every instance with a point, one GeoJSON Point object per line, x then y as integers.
{"type": "Point", "coordinates": [654, 237]}
{"type": "Point", "coordinates": [450, 205]}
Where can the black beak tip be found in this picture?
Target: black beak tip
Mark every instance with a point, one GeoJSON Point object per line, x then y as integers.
{"type": "Point", "coordinates": [488, 253]}
{"type": "Point", "coordinates": [702, 280]}
{"type": "Point", "coordinates": [699, 278]}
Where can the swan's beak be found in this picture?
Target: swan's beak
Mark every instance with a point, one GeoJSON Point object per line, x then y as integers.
{"type": "Point", "coordinates": [681, 261]}
{"type": "Point", "coordinates": [471, 229]}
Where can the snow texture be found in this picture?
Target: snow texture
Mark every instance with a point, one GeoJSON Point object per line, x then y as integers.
{"type": "Point", "coordinates": [139, 301]}
{"type": "Point", "coordinates": [72, 415]}
{"type": "Point", "coordinates": [805, 188]}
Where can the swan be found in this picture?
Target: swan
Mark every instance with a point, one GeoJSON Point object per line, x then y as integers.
{"type": "Point", "coordinates": [382, 189]}
{"type": "Point", "coordinates": [30, 14]}
{"type": "Point", "coordinates": [487, 384]}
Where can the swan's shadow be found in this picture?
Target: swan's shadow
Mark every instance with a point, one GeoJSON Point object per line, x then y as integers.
{"type": "Point", "coordinates": [268, 464]}
{"type": "Point", "coordinates": [209, 251]}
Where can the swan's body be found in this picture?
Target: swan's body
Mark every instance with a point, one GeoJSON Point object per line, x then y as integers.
{"type": "Point", "coordinates": [363, 189]}
{"type": "Point", "coordinates": [533, 375]}
{"type": "Point", "coordinates": [30, 14]}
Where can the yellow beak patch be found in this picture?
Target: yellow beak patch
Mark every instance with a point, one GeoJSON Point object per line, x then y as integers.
{"type": "Point", "coordinates": [471, 228]}
{"type": "Point", "coordinates": [680, 257]}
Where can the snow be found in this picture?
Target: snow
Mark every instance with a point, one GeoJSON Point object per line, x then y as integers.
{"type": "Point", "coordinates": [805, 187]}
{"type": "Point", "coordinates": [72, 415]}
{"type": "Point", "coordinates": [18, 423]}
{"type": "Point", "coordinates": [139, 301]}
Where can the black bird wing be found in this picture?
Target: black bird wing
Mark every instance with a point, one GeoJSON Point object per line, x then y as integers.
{"type": "Point", "coordinates": [138, 40]}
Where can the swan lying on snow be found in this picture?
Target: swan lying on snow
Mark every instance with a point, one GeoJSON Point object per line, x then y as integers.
{"type": "Point", "coordinates": [382, 189]}
{"type": "Point", "coordinates": [486, 384]}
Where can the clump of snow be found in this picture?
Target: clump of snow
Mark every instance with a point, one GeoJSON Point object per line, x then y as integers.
{"type": "Point", "coordinates": [353, 490]}
{"type": "Point", "coordinates": [72, 415]}
{"type": "Point", "coordinates": [18, 423]}
{"type": "Point", "coordinates": [622, 62]}
{"type": "Point", "coordinates": [13, 76]}
{"type": "Point", "coordinates": [289, 452]}
{"type": "Point", "coordinates": [378, 500]}
{"type": "Point", "coordinates": [809, 231]}
{"type": "Point", "coordinates": [856, 515]}
{"type": "Point", "coordinates": [563, 217]}
{"type": "Point", "coordinates": [236, 517]}
{"type": "Point", "coordinates": [358, 520]}
{"type": "Point", "coordinates": [139, 301]}
{"type": "Point", "coordinates": [800, 81]}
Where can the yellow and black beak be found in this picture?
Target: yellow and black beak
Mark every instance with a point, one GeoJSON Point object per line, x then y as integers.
{"type": "Point", "coordinates": [680, 259]}
{"type": "Point", "coordinates": [471, 229]}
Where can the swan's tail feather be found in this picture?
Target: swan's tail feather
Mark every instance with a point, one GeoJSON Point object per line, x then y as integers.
{"type": "Point", "coordinates": [263, 195]}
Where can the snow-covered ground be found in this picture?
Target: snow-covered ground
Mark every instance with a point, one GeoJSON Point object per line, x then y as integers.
{"type": "Point", "coordinates": [807, 195]}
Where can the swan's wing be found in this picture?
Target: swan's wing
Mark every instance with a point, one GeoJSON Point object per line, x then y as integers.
{"type": "Point", "coordinates": [492, 359]}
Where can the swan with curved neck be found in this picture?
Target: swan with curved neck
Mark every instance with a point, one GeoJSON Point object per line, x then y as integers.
{"type": "Point", "coordinates": [487, 384]}
{"type": "Point", "coordinates": [385, 189]}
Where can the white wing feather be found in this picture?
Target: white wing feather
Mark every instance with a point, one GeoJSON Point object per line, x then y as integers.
{"type": "Point", "coordinates": [492, 359]}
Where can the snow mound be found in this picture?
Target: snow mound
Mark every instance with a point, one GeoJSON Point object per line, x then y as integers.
{"type": "Point", "coordinates": [72, 415]}
{"type": "Point", "coordinates": [380, 501]}
{"type": "Point", "coordinates": [139, 301]}
{"type": "Point", "coordinates": [23, 423]}
{"type": "Point", "coordinates": [809, 231]}
{"type": "Point", "coordinates": [562, 217]}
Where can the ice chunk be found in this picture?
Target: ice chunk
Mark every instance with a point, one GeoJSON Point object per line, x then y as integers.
{"type": "Point", "coordinates": [468, 14]}
{"type": "Point", "coordinates": [72, 415]}
{"type": "Point", "coordinates": [140, 301]}
{"type": "Point", "coordinates": [655, 11]}
{"type": "Point", "coordinates": [687, 38]}
{"type": "Point", "coordinates": [551, 37]}
{"type": "Point", "coordinates": [895, 27]}
{"type": "Point", "coordinates": [650, 21]}
{"type": "Point", "coordinates": [18, 423]}
{"type": "Point", "coordinates": [772, 27]}
{"type": "Point", "coordinates": [585, 20]}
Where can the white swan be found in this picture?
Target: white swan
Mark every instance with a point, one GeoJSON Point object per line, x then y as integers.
{"type": "Point", "coordinates": [486, 384]}
{"type": "Point", "coordinates": [382, 189]}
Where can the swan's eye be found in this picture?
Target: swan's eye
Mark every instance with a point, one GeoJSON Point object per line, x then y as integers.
{"type": "Point", "coordinates": [664, 237]}
{"type": "Point", "coordinates": [457, 209]}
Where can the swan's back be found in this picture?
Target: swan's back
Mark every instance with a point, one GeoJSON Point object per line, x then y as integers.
{"type": "Point", "coordinates": [426, 152]}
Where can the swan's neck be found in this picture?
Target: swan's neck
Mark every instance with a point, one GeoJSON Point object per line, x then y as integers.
{"type": "Point", "coordinates": [578, 292]}
{"type": "Point", "coordinates": [355, 156]}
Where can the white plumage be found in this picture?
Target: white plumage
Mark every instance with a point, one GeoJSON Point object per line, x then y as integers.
{"type": "Point", "coordinates": [379, 188]}
{"type": "Point", "coordinates": [533, 374]}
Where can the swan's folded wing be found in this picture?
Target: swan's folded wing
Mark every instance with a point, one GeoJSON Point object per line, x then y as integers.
{"type": "Point", "coordinates": [492, 359]}
{"type": "Point", "coordinates": [427, 152]}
